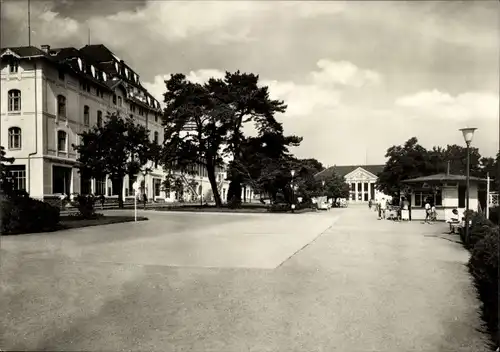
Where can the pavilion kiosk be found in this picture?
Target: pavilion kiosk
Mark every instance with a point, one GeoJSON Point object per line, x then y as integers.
{"type": "Point", "coordinates": [446, 191]}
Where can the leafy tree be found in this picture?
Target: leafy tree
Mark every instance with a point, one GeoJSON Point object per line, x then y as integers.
{"type": "Point", "coordinates": [336, 187]}
{"type": "Point", "coordinates": [5, 183]}
{"type": "Point", "coordinates": [195, 128]}
{"type": "Point", "coordinates": [407, 161]}
{"type": "Point", "coordinates": [265, 162]}
{"type": "Point", "coordinates": [117, 148]}
{"type": "Point", "coordinates": [246, 102]}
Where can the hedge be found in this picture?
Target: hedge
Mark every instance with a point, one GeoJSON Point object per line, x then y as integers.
{"type": "Point", "coordinates": [21, 214]}
{"type": "Point", "coordinates": [483, 266]}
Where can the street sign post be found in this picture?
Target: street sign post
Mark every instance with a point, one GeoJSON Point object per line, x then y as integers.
{"type": "Point", "coordinates": [135, 186]}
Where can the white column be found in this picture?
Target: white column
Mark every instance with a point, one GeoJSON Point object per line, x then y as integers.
{"type": "Point", "coordinates": [369, 190]}
{"type": "Point", "coordinates": [356, 189]}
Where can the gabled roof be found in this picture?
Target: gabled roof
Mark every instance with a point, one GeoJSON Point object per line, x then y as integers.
{"type": "Point", "coordinates": [443, 178]}
{"type": "Point", "coordinates": [25, 51]}
{"type": "Point", "coordinates": [346, 169]}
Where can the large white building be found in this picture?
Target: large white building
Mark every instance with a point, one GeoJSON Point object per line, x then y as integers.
{"type": "Point", "coordinates": [361, 179]}
{"type": "Point", "coordinates": [49, 96]}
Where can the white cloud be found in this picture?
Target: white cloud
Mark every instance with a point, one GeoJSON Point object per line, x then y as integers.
{"type": "Point", "coordinates": [465, 106]}
{"type": "Point", "coordinates": [322, 91]}
{"type": "Point", "coordinates": [343, 73]}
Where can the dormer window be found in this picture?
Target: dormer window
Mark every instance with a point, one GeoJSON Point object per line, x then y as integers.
{"type": "Point", "coordinates": [14, 66]}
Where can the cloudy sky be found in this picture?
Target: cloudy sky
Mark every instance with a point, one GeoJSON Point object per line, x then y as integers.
{"type": "Point", "coordinates": [358, 77]}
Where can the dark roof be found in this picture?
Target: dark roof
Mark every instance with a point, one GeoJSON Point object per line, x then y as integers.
{"type": "Point", "coordinates": [443, 178]}
{"type": "Point", "coordinates": [98, 52]}
{"type": "Point", "coordinates": [96, 55]}
{"type": "Point", "coordinates": [346, 169]}
{"type": "Point", "coordinates": [26, 51]}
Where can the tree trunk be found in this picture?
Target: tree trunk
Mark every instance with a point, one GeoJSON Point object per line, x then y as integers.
{"type": "Point", "coordinates": [234, 191]}
{"type": "Point", "coordinates": [119, 181]}
{"type": "Point", "coordinates": [213, 184]}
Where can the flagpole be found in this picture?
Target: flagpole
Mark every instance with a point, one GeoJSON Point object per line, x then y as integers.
{"type": "Point", "coordinates": [29, 23]}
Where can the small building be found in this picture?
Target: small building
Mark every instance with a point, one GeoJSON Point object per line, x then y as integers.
{"type": "Point", "coordinates": [446, 191]}
{"type": "Point", "coordinates": [361, 179]}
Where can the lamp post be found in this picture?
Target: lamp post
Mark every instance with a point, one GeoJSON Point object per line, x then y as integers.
{"type": "Point", "coordinates": [292, 172]}
{"type": "Point", "coordinates": [468, 135]}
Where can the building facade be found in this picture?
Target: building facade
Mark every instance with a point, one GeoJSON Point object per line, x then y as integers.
{"type": "Point", "coordinates": [361, 179]}
{"type": "Point", "coordinates": [50, 96]}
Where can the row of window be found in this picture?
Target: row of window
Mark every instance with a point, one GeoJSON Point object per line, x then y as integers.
{"type": "Point", "coordinates": [15, 139]}
{"type": "Point", "coordinates": [14, 105]}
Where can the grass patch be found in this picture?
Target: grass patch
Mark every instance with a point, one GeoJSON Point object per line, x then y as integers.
{"type": "Point", "coordinates": [74, 222]}
{"type": "Point", "coordinates": [244, 208]}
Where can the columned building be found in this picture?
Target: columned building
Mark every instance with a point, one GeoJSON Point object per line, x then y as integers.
{"type": "Point", "coordinates": [360, 178]}
{"type": "Point", "coordinates": [48, 96]}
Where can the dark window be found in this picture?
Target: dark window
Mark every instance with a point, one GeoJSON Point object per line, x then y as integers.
{"type": "Point", "coordinates": [100, 186]}
{"type": "Point", "coordinates": [61, 141]}
{"type": "Point", "coordinates": [461, 196]}
{"type": "Point", "coordinates": [115, 187]}
{"type": "Point", "coordinates": [85, 184]}
{"type": "Point", "coordinates": [99, 118]}
{"type": "Point", "coordinates": [114, 99]}
{"type": "Point", "coordinates": [61, 106]}
{"type": "Point", "coordinates": [353, 186]}
{"type": "Point", "coordinates": [119, 101]}
{"type": "Point", "coordinates": [156, 136]}
{"type": "Point", "coordinates": [366, 197]}
{"type": "Point", "coordinates": [14, 96]}
{"type": "Point", "coordinates": [14, 67]}
{"type": "Point", "coordinates": [157, 185]}
{"type": "Point", "coordinates": [438, 198]}
{"type": "Point", "coordinates": [14, 138]}
{"type": "Point", "coordinates": [156, 117]}
{"type": "Point", "coordinates": [17, 176]}
{"type": "Point", "coordinates": [86, 115]}
{"type": "Point", "coordinates": [61, 75]}
{"type": "Point", "coordinates": [61, 179]}
{"type": "Point", "coordinates": [359, 186]}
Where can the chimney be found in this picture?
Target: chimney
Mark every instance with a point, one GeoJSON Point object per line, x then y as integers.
{"type": "Point", "coordinates": [45, 48]}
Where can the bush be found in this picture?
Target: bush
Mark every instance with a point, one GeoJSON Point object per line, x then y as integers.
{"type": "Point", "coordinates": [494, 215]}
{"type": "Point", "coordinates": [479, 228]}
{"type": "Point", "coordinates": [85, 205]}
{"type": "Point", "coordinates": [21, 214]}
{"type": "Point", "coordinates": [483, 266]}
{"type": "Point", "coordinates": [279, 208]}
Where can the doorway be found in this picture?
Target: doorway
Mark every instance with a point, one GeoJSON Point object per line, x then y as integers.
{"type": "Point", "coordinates": [61, 179]}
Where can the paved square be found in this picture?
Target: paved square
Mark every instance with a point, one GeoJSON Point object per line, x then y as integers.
{"type": "Point", "coordinates": [261, 241]}
{"type": "Point", "coordinates": [210, 282]}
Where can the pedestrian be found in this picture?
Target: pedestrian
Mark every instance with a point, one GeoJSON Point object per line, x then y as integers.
{"type": "Point", "coordinates": [383, 208]}
{"type": "Point", "coordinates": [370, 204]}
{"type": "Point", "coordinates": [427, 211]}
{"type": "Point", "coordinates": [144, 199]}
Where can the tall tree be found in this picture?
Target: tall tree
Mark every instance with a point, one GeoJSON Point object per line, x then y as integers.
{"type": "Point", "coordinates": [336, 187]}
{"type": "Point", "coordinates": [247, 102]}
{"type": "Point", "coordinates": [117, 148]}
{"type": "Point", "coordinates": [195, 128]}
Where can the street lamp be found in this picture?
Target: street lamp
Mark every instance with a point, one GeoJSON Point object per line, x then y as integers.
{"type": "Point", "coordinates": [292, 172]}
{"type": "Point", "coordinates": [468, 135]}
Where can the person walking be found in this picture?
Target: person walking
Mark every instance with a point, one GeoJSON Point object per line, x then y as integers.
{"type": "Point", "coordinates": [370, 204]}
{"type": "Point", "coordinates": [383, 208]}
{"type": "Point", "coordinates": [427, 211]}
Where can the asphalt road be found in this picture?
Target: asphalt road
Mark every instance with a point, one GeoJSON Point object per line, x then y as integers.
{"type": "Point", "coordinates": [336, 281]}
